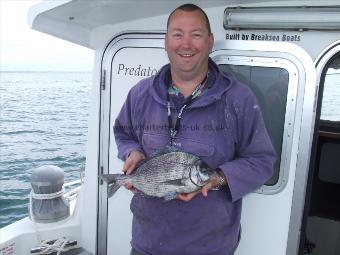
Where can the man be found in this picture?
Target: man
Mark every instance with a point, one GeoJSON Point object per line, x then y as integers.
{"type": "Point", "coordinates": [208, 113]}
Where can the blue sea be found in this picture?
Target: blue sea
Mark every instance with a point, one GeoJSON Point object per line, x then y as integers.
{"type": "Point", "coordinates": [43, 121]}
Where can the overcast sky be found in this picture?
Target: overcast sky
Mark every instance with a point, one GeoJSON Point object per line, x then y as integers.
{"type": "Point", "coordinates": [23, 49]}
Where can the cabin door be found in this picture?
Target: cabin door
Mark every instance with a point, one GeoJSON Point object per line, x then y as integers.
{"type": "Point", "coordinates": [283, 78]}
{"type": "Point", "coordinates": [321, 228]}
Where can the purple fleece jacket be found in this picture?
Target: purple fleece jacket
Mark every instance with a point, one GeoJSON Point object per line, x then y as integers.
{"type": "Point", "coordinates": [225, 128]}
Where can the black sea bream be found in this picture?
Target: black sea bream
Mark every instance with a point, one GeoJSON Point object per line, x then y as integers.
{"type": "Point", "coordinates": [164, 175]}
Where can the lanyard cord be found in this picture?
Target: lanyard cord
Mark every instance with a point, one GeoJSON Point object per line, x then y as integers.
{"type": "Point", "coordinates": [174, 129]}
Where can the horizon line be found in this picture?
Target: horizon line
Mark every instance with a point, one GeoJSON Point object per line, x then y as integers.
{"type": "Point", "coordinates": [46, 71]}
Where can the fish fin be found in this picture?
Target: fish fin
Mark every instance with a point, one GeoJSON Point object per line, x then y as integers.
{"type": "Point", "coordinates": [112, 188]}
{"type": "Point", "coordinates": [167, 149]}
{"type": "Point", "coordinates": [156, 154]}
{"type": "Point", "coordinates": [170, 196]}
{"type": "Point", "coordinates": [109, 178]}
{"type": "Point", "coordinates": [171, 148]}
{"type": "Point", "coordinates": [113, 184]}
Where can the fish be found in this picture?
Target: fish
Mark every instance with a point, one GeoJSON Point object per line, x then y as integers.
{"type": "Point", "coordinates": [164, 175]}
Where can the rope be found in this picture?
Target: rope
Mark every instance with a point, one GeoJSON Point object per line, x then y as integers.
{"type": "Point", "coordinates": [47, 196]}
{"type": "Point", "coordinates": [51, 246]}
{"type": "Point", "coordinates": [48, 246]}
{"type": "Point", "coordinates": [41, 196]}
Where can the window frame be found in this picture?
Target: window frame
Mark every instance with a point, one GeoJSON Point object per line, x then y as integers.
{"type": "Point", "coordinates": [285, 64]}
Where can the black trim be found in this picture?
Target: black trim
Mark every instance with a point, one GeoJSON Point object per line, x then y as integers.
{"type": "Point", "coordinates": [324, 54]}
{"type": "Point", "coordinates": [313, 154]}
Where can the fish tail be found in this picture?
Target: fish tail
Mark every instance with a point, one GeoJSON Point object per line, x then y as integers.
{"type": "Point", "coordinates": [113, 183]}
{"type": "Point", "coordinates": [112, 189]}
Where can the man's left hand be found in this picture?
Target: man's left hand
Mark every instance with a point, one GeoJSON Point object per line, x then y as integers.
{"type": "Point", "coordinates": [213, 183]}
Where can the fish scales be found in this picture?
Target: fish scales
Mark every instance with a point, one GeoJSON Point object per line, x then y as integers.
{"type": "Point", "coordinates": [164, 175]}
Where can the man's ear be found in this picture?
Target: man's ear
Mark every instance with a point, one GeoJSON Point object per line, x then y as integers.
{"type": "Point", "coordinates": [211, 41]}
{"type": "Point", "coordinates": [166, 41]}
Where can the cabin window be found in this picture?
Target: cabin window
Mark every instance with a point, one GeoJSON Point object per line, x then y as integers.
{"type": "Point", "coordinates": [270, 85]}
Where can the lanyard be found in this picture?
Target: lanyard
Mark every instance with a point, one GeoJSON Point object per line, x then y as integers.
{"type": "Point", "coordinates": [174, 129]}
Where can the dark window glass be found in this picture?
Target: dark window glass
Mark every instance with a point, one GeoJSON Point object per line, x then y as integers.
{"type": "Point", "coordinates": [270, 85]}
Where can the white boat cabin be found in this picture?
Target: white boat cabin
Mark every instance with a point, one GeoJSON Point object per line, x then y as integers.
{"type": "Point", "coordinates": [288, 52]}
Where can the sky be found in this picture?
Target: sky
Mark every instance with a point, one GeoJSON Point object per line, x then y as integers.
{"type": "Point", "coordinates": [23, 49]}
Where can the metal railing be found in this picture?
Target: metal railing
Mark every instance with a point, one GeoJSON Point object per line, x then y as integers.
{"type": "Point", "coordinates": [72, 194]}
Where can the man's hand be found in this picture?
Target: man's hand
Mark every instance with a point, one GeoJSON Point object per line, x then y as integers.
{"type": "Point", "coordinates": [132, 161]}
{"type": "Point", "coordinates": [213, 183]}
{"type": "Point", "coordinates": [130, 165]}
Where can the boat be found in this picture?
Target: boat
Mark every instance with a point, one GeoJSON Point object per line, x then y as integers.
{"type": "Point", "coordinates": [286, 51]}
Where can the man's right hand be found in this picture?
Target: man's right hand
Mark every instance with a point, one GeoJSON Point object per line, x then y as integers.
{"type": "Point", "coordinates": [130, 165]}
{"type": "Point", "coordinates": [132, 161]}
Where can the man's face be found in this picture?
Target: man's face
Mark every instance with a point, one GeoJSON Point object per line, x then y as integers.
{"type": "Point", "coordinates": [188, 43]}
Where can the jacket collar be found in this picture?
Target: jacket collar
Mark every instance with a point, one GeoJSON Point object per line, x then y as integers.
{"type": "Point", "coordinates": [223, 82]}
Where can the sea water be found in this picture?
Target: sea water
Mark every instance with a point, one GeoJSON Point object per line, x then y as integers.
{"type": "Point", "coordinates": [43, 121]}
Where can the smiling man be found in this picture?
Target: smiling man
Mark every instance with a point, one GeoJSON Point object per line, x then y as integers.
{"type": "Point", "coordinates": [189, 92]}
{"type": "Point", "coordinates": [188, 43]}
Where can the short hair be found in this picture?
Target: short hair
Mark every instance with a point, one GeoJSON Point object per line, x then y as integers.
{"type": "Point", "coordinates": [190, 8]}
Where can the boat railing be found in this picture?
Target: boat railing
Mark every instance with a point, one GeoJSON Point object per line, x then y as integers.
{"type": "Point", "coordinates": [73, 192]}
